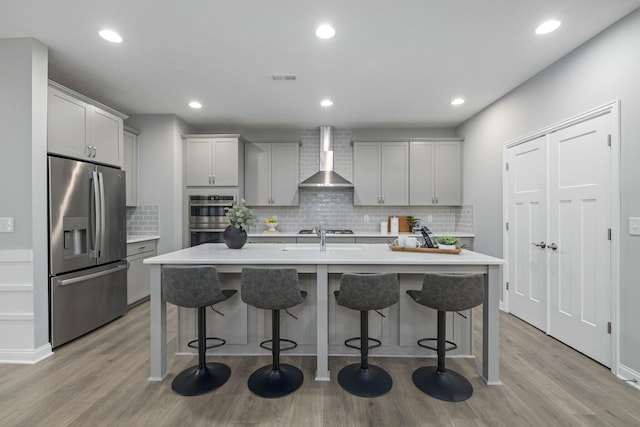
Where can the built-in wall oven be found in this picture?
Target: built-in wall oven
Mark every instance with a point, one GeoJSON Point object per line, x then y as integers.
{"type": "Point", "coordinates": [207, 218]}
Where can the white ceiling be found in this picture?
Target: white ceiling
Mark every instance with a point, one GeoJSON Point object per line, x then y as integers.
{"type": "Point", "coordinates": [392, 63]}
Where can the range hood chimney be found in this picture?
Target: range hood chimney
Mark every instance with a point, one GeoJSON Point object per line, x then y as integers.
{"type": "Point", "coordinates": [326, 177]}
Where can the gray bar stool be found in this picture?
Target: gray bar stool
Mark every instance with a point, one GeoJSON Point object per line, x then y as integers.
{"type": "Point", "coordinates": [273, 289]}
{"type": "Point", "coordinates": [446, 292]}
{"type": "Point", "coordinates": [365, 292]}
{"type": "Point", "coordinates": [197, 287]}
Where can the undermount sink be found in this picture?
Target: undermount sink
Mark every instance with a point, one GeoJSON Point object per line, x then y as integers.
{"type": "Point", "coordinates": [316, 248]}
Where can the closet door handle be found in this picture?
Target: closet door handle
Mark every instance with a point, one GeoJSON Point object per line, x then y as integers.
{"type": "Point", "coordinates": [553, 246]}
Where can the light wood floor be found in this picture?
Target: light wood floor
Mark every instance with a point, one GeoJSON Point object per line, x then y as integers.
{"type": "Point", "coordinates": [101, 380]}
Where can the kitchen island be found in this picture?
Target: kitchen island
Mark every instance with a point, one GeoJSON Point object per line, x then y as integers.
{"type": "Point", "coordinates": [339, 258]}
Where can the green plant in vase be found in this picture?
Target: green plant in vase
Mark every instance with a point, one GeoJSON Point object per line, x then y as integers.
{"type": "Point", "coordinates": [240, 217]}
{"type": "Point", "coordinates": [447, 242]}
{"type": "Point", "coordinates": [413, 223]}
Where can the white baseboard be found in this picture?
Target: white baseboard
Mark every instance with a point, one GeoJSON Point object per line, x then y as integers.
{"type": "Point", "coordinates": [25, 357]}
{"type": "Point", "coordinates": [628, 375]}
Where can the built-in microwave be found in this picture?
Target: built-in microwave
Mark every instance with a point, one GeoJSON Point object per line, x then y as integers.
{"type": "Point", "coordinates": [207, 218]}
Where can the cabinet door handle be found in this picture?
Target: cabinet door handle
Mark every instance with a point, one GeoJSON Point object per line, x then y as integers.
{"type": "Point", "coordinates": [88, 151]}
{"type": "Point", "coordinates": [213, 179]}
{"type": "Point", "coordinates": [95, 151]}
{"type": "Point", "coordinates": [553, 246]}
{"type": "Point", "coordinates": [433, 199]}
{"type": "Point", "coordinates": [540, 245]}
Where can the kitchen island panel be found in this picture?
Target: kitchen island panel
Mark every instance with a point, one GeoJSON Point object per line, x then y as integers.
{"type": "Point", "coordinates": [322, 270]}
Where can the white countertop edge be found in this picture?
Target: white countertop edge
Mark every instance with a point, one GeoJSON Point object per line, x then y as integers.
{"type": "Point", "coordinates": [138, 239]}
{"type": "Point", "coordinates": [359, 234]}
{"type": "Point", "coordinates": [305, 254]}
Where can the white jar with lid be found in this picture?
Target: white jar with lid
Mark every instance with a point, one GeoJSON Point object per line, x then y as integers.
{"type": "Point", "coordinates": [395, 222]}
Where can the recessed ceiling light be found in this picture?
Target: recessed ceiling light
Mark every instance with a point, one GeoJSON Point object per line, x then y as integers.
{"type": "Point", "coordinates": [195, 104]}
{"type": "Point", "coordinates": [110, 35]}
{"type": "Point", "coordinates": [326, 103]}
{"type": "Point", "coordinates": [547, 27]}
{"type": "Point", "coordinates": [457, 101]}
{"type": "Point", "coordinates": [325, 31]}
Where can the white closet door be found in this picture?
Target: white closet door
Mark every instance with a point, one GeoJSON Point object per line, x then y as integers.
{"type": "Point", "coordinates": [579, 219]}
{"type": "Point", "coordinates": [527, 205]}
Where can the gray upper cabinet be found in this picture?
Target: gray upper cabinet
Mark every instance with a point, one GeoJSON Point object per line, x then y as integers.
{"type": "Point", "coordinates": [381, 173]}
{"type": "Point", "coordinates": [79, 129]}
{"type": "Point", "coordinates": [435, 176]}
{"type": "Point", "coordinates": [213, 160]}
{"type": "Point", "coordinates": [130, 166]}
{"type": "Point", "coordinates": [272, 174]}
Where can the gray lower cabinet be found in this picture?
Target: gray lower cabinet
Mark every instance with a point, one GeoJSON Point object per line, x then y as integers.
{"type": "Point", "coordinates": [138, 273]}
{"type": "Point", "coordinates": [270, 239]}
{"type": "Point", "coordinates": [375, 239]}
{"type": "Point", "coordinates": [330, 239]}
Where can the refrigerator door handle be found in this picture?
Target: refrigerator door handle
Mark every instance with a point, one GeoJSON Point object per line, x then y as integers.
{"type": "Point", "coordinates": [92, 276]}
{"type": "Point", "coordinates": [102, 215]}
{"type": "Point", "coordinates": [96, 216]}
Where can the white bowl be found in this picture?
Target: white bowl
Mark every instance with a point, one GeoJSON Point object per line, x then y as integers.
{"type": "Point", "coordinates": [271, 225]}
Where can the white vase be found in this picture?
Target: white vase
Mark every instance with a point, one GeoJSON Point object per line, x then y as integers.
{"type": "Point", "coordinates": [446, 247]}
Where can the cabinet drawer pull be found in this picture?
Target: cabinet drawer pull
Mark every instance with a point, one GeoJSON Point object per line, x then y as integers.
{"type": "Point", "coordinates": [141, 248]}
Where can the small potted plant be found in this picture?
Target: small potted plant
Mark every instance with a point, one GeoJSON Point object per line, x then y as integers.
{"type": "Point", "coordinates": [447, 242]}
{"type": "Point", "coordinates": [240, 217]}
{"type": "Point", "coordinates": [271, 223]}
{"type": "Point", "coordinates": [413, 222]}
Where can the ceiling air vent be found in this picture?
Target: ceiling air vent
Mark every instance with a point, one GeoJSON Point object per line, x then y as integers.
{"type": "Point", "coordinates": [284, 77]}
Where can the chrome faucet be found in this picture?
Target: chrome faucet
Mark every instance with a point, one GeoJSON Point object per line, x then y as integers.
{"type": "Point", "coordinates": [322, 234]}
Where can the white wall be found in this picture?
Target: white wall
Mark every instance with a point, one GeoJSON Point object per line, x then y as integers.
{"type": "Point", "coordinates": [24, 333]}
{"type": "Point", "coordinates": [160, 172]}
{"type": "Point", "coordinates": [604, 69]}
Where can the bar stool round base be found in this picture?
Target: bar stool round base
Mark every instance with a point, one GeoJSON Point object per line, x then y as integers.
{"type": "Point", "coordinates": [194, 381]}
{"type": "Point", "coordinates": [449, 386]}
{"type": "Point", "coordinates": [272, 383]}
{"type": "Point", "coordinates": [370, 382]}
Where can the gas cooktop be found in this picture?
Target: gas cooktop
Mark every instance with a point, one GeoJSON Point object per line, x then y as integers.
{"type": "Point", "coordinates": [328, 232]}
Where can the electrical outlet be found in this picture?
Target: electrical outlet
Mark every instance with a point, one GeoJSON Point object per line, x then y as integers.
{"type": "Point", "coordinates": [6, 225]}
{"type": "Point", "coordinates": [366, 218]}
{"type": "Point", "coordinates": [634, 225]}
{"type": "Point", "coordinates": [429, 218]}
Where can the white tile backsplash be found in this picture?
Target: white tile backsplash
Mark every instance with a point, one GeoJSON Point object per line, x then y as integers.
{"type": "Point", "coordinates": [143, 220]}
{"type": "Point", "coordinates": [334, 208]}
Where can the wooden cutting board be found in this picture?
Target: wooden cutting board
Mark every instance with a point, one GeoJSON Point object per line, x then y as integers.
{"type": "Point", "coordinates": [432, 250]}
{"type": "Point", "coordinates": [403, 225]}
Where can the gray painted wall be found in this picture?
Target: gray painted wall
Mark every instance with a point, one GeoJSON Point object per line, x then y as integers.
{"type": "Point", "coordinates": [604, 69]}
{"type": "Point", "coordinates": [23, 120]}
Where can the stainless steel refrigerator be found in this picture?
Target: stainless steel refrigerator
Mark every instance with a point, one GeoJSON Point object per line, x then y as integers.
{"type": "Point", "coordinates": [87, 247]}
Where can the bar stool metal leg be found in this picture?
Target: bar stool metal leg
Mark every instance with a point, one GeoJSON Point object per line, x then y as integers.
{"type": "Point", "coordinates": [439, 382]}
{"type": "Point", "coordinates": [205, 376]}
{"type": "Point", "coordinates": [275, 380]}
{"type": "Point", "coordinates": [362, 379]}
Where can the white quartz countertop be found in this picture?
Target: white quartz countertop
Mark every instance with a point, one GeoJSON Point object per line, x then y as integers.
{"type": "Point", "coordinates": [359, 234]}
{"type": "Point", "coordinates": [138, 239]}
{"type": "Point", "coordinates": [270, 253]}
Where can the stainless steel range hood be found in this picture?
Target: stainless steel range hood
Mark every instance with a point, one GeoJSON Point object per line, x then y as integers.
{"type": "Point", "coordinates": [326, 177]}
